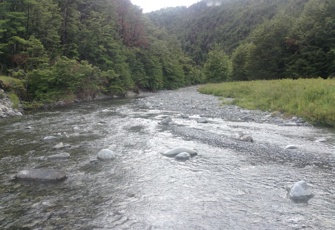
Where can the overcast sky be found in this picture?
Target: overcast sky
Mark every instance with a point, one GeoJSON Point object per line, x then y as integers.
{"type": "Point", "coordinates": [151, 5]}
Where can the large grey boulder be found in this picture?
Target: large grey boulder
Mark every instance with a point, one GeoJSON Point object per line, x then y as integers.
{"type": "Point", "coordinates": [176, 151]}
{"type": "Point", "coordinates": [300, 192]}
{"type": "Point", "coordinates": [106, 154]}
{"type": "Point", "coordinates": [41, 175]}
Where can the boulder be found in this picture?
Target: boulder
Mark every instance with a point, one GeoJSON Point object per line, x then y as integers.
{"type": "Point", "coordinates": [59, 156]}
{"type": "Point", "coordinates": [106, 154]}
{"type": "Point", "coordinates": [176, 151]}
{"type": "Point", "coordinates": [300, 192]}
{"type": "Point", "coordinates": [183, 156]}
{"type": "Point", "coordinates": [41, 175]}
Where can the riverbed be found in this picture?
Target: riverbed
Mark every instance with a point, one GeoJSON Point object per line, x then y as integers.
{"type": "Point", "coordinates": [229, 184]}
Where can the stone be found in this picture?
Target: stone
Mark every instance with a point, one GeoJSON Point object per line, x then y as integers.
{"type": "Point", "coordinates": [246, 138]}
{"type": "Point", "coordinates": [202, 120]}
{"type": "Point", "coordinates": [41, 175]}
{"type": "Point", "coordinates": [321, 140]}
{"type": "Point", "coordinates": [59, 146]}
{"type": "Point", "coordinates": [290, 124]}
{"type": "Point", "coordinates": [11, 113]}
{"type": "Point", "coordinates": [59, 156]}
{"type": "Point", "coordinates": [183, 156]}
{"type": "Point", "coordinates": [291, 147]}
{"type": "Point", "coordinates": [131, 94]}
{"type": "Point", "coordinates": [106, 154]}
{"type": "Point", "coordinates": [300, 192]}
{"type": "Point", "coordinates": [166, 121]}
{"type": "Point", "coordinates": [185, 116]}
{"type": "Point", "coordinates": [176, 151]}
{"type": "Point", "coordinates": [49, 138]}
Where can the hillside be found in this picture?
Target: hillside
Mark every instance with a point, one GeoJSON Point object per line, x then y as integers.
{"type": "Point", "coordinates": [265, 39]}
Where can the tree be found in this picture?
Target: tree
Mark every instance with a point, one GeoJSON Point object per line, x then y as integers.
{"type": "Point", "coordinates": [312, 41]}
{"type": "Point", "coordinates": [218, 66]}
{"type": "Point", "coordinates": [240, 62]}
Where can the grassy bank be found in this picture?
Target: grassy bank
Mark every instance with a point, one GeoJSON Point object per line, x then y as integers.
{"type": "Point", "coordinates": [312, 99]}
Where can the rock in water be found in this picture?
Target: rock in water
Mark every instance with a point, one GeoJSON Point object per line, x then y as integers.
{"type": "Point", "coordinates": [176, 151]}
{"type": "Point", "coordinates": [300, 192]}
{"type": "Point", "coordinates": [59, 156]}
{"type": "Point", "coordinates": [106, 154]}
{"type": "Point", "coordinates": [166, 121]}
{"type": "Point", "coordinates": [291, 147]}
{"type": "Point", "coordinates": [60, 145]}
{"type": "Point", "coordinates": [49, 138]}
{"type": "Point", "coordinates": [202, 120]}
{"type": "Point", "coordinates": [247, 138]}
{"type": "Point", "coordinates": [41, 175]}
{"type": "Point", "coordinates": [182, 156]}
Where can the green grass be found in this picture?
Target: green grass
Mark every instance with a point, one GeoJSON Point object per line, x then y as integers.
{"type": "Point", "coordinates": [311, 99]}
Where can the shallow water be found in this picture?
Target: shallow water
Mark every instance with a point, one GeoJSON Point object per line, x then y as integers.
{"type": "Point", "coordinates": [228, 185]}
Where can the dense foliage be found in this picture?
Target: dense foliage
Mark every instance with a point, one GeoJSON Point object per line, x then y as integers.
{"type": "Point", "coordinates": [66, 49]}
{"type": "Point", "coordinates": [270, 39]}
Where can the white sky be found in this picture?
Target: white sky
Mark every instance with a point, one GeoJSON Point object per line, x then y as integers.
{"type": "Point", "coordinates": [151, 5]}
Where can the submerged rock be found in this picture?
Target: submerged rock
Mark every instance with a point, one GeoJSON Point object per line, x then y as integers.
{"type": "Point", "coordinates": [106, 154]}
{"type": "Point", "coordinates": [300, 192]}
{"type": "Point", "coordinates": [176, 151]}
{"type": "Point", "coordinates": [49, 138]}
{"type": "Point", "coordinates": [41, 175]}
{"type": "Point", "coordinates": [59, 156]}
{"type": "Point", "coordinates": [182, 156]}
{"type": "Point", "coordinates": [185, 116]}
{"type": "Point", "coordinates": [166, 121]}
{"type": "Point", "coordinates": [291, 147]}
{"type": "Point", "coordinates": [202, 120]}
{"type": "Point", "coordinates": [246, 138]}
{"type": "Point", "coordinates": [59, 146]}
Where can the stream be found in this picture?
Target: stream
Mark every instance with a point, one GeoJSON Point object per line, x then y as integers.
{"type": "Point", "coordinates": [230, 184]}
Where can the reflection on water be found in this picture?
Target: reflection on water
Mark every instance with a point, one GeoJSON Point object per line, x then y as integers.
{"type": "Point", "coordinates": [220, 188]}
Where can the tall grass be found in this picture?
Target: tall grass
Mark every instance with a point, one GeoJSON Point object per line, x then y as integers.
{"type": "Point", "coordinates": [312, 99]}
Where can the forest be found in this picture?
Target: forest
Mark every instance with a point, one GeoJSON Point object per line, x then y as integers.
{"type": "Point", "coordinates": [77, 49]}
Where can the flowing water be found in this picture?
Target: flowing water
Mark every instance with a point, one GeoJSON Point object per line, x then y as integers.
{"type": "Point", "coordinates": [226, 186]}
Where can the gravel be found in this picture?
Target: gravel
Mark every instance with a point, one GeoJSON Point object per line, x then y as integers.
{"type": "Point", "coordinates": [189, 102]}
